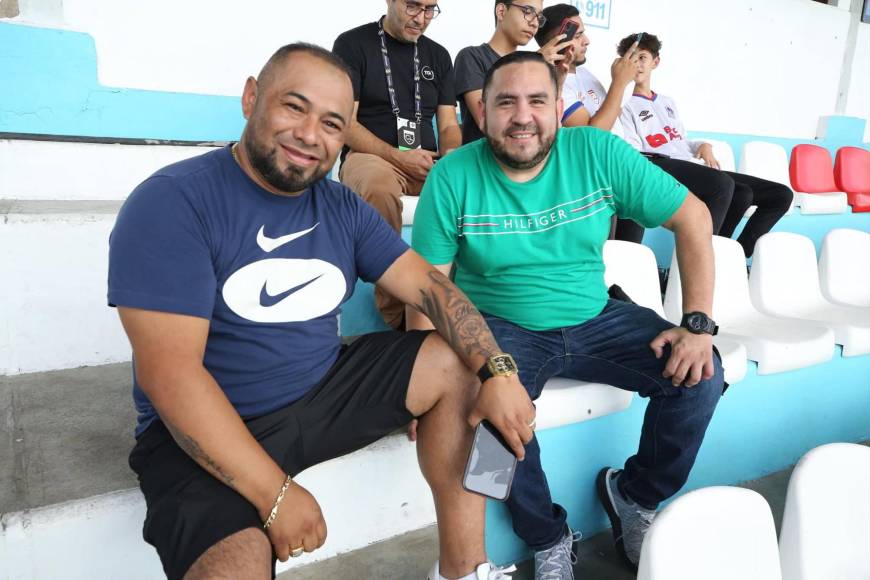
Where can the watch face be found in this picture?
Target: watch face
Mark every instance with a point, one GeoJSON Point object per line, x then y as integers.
{"type": "Point", "coordinates": [695, 322]}
{"type": "Point", "coordinates": [503, 365]}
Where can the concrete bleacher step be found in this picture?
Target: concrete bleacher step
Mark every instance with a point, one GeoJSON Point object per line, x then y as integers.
{"type": "Point", "coordinates": [53, 298]}
{"type": "Point", "coordinates": [64, 443]}
{"type": "Point", "coordinates": [82, 171]}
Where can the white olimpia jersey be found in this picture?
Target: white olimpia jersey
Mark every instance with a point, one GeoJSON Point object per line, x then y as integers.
{"type": "Point", "coordinates": [654, 126]}
{"type": "Point", "coordinates": [582, 89]}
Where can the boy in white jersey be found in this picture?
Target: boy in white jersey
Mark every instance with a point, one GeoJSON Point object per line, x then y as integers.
{"type": "Point", "coordinates": [587, 103]}
{"type": "Point", "coordinates": [652, 125]}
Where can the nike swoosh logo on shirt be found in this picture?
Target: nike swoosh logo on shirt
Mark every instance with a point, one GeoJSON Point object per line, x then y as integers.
{"type": "Point", "coordinates": [267, 299]}
{"type": "Point", "coordinates": [269, 244]}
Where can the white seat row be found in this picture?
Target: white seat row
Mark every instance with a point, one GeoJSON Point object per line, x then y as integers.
{"type": "Point", "coordinates": [727, 532]}
{"type": "Point", "coordinates": [776, 344]}
{"type": "Point", "coordinates": [784, 282]}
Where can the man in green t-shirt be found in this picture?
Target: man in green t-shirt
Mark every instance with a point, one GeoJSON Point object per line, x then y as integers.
{"type": "Point", "coordinates": [522, 217]}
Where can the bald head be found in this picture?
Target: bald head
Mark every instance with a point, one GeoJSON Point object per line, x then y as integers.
{"type": "Point", "coordinates": [267, 74]}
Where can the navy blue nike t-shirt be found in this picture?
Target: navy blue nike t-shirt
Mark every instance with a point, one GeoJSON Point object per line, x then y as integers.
{"type": "Point", "coordinates": [269, 272]}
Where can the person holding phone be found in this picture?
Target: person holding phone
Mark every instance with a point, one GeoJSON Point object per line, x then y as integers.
{"type": "Point", "coordinates": [586, 100]}
{"type": "Point", "coordinates": [521, 218]}
{"type": "Point", "coordinates": [651, 124]}
{"type": "Point", "coordinates": [516, 23]}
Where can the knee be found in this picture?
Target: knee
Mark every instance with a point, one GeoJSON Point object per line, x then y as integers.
{"type": "Point", "coordinates": [440, 376]}
{"type": "Point", "coordinates": [782, 198]}
{"type": "Point", "coordinates": [721, 184]}
{"type": "Point", "coordinates": [711, 389]}
{"type": "Point", "coordinates": [742, 197]}
{"type": "Point", "coordinates": [245, 554]}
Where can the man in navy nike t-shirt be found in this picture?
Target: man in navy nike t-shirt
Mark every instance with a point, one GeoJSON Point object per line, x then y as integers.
{"type": "Point", "coordinates": [228, 271]}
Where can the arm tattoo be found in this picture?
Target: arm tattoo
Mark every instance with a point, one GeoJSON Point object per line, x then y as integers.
{"type": "Point", "coordinates": [456, 318]}
{"type": "Point", "coordinates": [189, 445]}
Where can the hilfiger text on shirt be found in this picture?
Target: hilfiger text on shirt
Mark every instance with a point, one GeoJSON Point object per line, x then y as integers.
{"type": "Point", "coordinates": [538, 221]}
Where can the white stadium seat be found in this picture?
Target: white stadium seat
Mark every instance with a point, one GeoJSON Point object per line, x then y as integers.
{"type": "Point", "coordinates": [409, 207]}
{"type": "Point", "coordinates": [826, 524]}
{"type": "Point", "coordinates": [776, 344]}
{"type": "Point", "coordinates": [843, 267]}
{"type": "Point", "coordinates": [785, 282]}
{"type": "Point", "coordinates": [633, 267]}
{"type": "Point", "coordinates": [767, 161]}
{"type": "Point", "coordinates": [723, 153]}
{"type": "Point", "coordinates": [714, 533]}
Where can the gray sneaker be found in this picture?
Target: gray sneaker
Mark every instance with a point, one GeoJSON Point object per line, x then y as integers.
{"type": "Point", "coordinates": [557, 563]}
{"type": "Point", "coordinates": [629, 521]}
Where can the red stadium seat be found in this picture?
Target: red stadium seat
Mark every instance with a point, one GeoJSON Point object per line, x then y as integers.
{"type": "Point", "coordinates": [852, 175]}
{"type": "Point", "coordinates": [811, 169]}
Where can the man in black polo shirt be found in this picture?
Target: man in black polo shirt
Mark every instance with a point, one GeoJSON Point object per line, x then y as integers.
{"type": "Point", "coordinates": [391, 144]}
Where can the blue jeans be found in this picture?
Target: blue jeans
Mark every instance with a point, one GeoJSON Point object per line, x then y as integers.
{"type": "Point", "coordinates": [612, 348]}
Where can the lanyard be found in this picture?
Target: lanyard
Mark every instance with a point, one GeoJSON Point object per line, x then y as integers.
{"type": "Point", "coordinates": [391, 89]}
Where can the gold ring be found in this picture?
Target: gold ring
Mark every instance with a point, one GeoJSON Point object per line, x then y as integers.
{"type": "Point", "coordinates": [296, 552]}
{"type": "Point", "coordinates": [532, 424]}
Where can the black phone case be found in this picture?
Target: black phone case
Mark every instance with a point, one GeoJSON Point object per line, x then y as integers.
{"type": "Point", "coordinates": [501, 440]}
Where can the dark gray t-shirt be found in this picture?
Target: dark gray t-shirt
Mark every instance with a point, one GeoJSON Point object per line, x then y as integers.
{"type": "Point", "coordinates": [472, 62]}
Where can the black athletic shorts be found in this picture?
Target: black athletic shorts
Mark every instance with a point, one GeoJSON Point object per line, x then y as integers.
{"type": "Point", "coordinates": [360, 400]}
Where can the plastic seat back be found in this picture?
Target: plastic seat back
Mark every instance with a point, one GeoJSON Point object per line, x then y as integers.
{"type": "Point", "coordinates": [785, 278]}
{"type": "Point", "coordinates": [765, 160]}
{"type": "Point", "coordinates": [633, 267]}
{"type": "Point", "coordinates": [724, 154]}
{"type": "Point", "coordinates": [843, 267]}
{"type": "Point", "coordinates": [714, 533]}
{"type": "Point", "coordinates": [811, 169]}
{"type": "Point", "coordinates": [826, 523]}
{"type": "Point", "coordinates": [852, 170]}
{"type": "Point", "coordinates": [731, 300]}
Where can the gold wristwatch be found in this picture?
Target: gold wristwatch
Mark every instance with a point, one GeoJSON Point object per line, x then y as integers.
{"type": "Point", "coordinates": [498, 365]}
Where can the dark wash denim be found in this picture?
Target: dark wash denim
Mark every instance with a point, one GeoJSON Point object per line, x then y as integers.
{"type": "Point", "coordinates": [612, 348]}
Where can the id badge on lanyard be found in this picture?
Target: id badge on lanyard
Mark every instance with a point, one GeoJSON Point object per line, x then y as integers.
{"type": "Point", "coordinates": [408, 132]}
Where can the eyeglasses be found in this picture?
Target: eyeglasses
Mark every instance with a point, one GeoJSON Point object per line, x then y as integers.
{"type": "Point", "coordinates": [530, 13]}
{"type": "Point", "coordinates": [413, 9]}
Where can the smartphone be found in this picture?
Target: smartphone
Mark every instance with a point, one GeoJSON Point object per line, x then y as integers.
{"type": "Point", "coordinates": [569, 28]}
{"type": "Point", "coordinates": [491, 464]}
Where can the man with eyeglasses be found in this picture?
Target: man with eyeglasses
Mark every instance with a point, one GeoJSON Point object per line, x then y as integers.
{"type": "Point", "coordinates": [401, 80]}
{"type": "Point", "coordinates": [515, 25]}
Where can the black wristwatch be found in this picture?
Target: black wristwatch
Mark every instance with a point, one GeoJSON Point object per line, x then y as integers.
{"type": "Point", "coordinates": [699, 323]}
{"type": "Point", "coordinates": [498, 365]}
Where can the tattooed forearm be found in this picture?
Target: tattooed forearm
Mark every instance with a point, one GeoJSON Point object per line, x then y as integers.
{"type": "Point", "coordinates": [456, 318]}
{"type": "Point", "coordinates": [189, 445]}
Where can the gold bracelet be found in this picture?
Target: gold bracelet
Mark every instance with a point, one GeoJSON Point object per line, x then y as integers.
{"type": "Point", "coordinates": [274, 513]}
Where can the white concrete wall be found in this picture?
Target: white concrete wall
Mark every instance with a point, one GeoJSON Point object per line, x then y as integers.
{"type": "Point", "coordinates": [858, 103]}
{"type": "Point", "coordinates": [776, 62]}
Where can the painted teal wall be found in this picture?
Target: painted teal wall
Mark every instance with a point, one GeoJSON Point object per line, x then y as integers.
{"type": "Point", "coordinates": [48, 85]}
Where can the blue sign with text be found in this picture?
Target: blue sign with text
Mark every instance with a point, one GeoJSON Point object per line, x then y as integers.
{"type": "Point", "coordinates": [594, 12]}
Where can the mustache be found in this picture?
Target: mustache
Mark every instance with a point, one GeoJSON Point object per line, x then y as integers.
{"type": "Point", "coordinates": [517, 128]}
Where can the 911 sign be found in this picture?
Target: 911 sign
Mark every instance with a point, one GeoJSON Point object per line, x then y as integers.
{"type": "Point", "coordinates": [594, 12]}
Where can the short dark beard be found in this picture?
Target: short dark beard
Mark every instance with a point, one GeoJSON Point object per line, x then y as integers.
{"type": "Point", "coordinates": [502, 155]}
{"type": "Point", "coordinates": [262, 160]}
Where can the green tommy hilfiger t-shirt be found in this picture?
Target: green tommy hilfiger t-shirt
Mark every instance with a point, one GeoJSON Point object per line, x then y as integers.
{"type": "Point", "coordinates": [531, 253]}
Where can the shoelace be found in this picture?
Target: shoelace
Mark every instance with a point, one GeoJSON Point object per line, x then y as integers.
{"type": "Point", "coordinates": [501, 573]}
{"type": "Point", "coordinates": [563, 548]}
